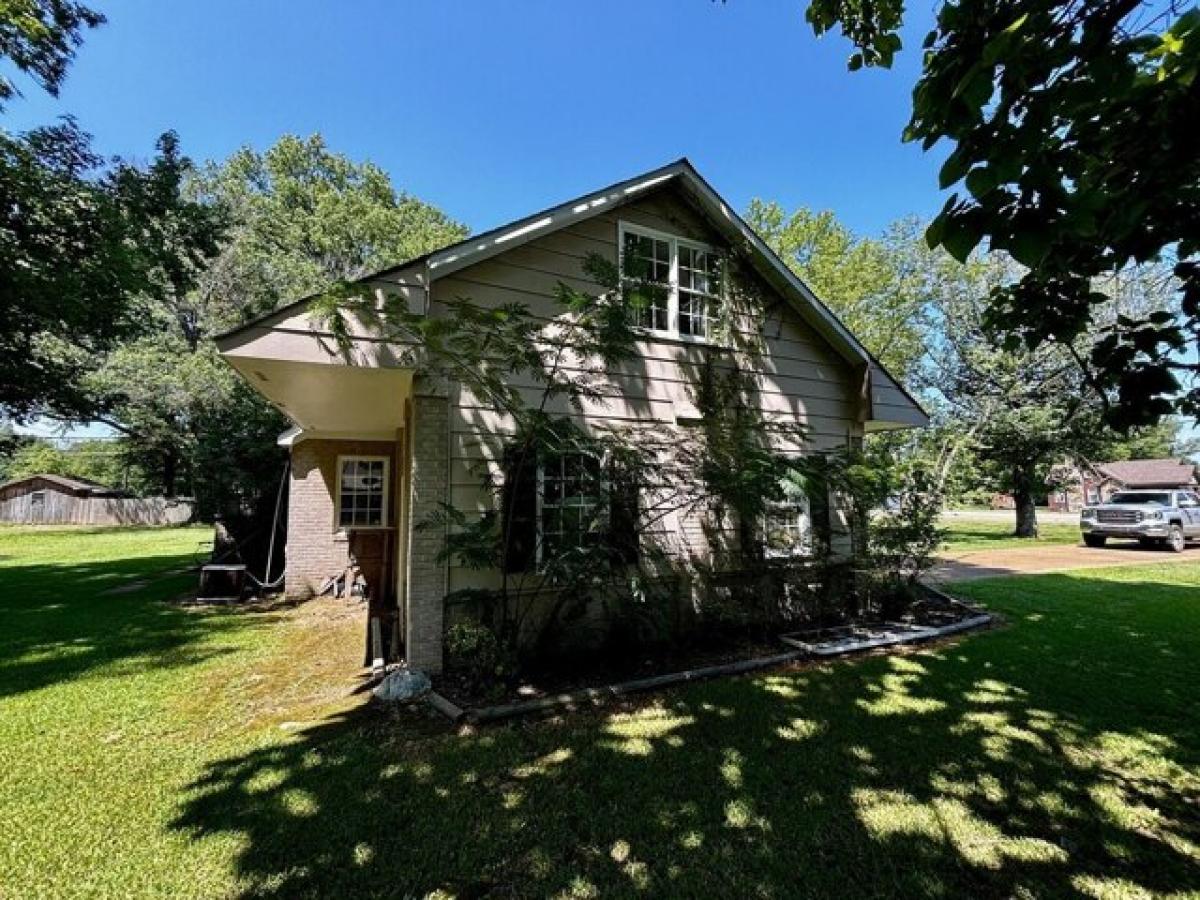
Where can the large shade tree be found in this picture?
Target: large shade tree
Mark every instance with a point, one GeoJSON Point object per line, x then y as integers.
{"type": "Point", "coordinates": [1016, 411]}
{"type": "Point", "coordinates": [84, 244]}
{"type": "Point", "coordinates": [301, 218]}
{"type": "Point", "coordinates": [1074, 149]}
{"type": "Point", "coordinates": [870, 283]}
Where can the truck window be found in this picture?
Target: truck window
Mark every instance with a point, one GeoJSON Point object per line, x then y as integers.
{"type": "Point", "coordinates": [1130, 498]}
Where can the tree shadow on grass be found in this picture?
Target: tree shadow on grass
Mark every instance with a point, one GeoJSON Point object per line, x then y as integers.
{"type": "Point", "coordinates": [1027, 761]}
{"type": "Point", "coordinates": [62, 621]}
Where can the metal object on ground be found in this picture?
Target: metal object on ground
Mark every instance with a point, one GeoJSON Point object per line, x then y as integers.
{"type": "Point", "coordinates": [222, 582]}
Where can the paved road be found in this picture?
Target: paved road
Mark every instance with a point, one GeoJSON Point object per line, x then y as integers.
{"type": "Point", "coordinates": [968, 564]}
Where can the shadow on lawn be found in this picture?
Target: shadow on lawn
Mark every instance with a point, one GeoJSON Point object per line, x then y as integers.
{"type": "Point", "coordinates": [1047, 758]}
{"type": "Point", "coordinates": [63, 620]}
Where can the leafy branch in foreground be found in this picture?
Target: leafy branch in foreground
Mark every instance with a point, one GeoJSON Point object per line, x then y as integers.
{"type": "Point", "coordinates": [40, 38]}
{"type": "Point", "coordinates": [1075, 151]}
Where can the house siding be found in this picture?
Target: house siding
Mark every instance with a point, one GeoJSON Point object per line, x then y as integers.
{"type": "Point", "coordinates": [799, 377]}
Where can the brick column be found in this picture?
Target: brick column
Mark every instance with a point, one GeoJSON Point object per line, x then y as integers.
{"type": "Point", "coordinates": [428, 481]}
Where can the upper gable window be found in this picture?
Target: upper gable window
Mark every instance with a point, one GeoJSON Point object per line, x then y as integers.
{"type": "Point", "coordinates": [675, 282]}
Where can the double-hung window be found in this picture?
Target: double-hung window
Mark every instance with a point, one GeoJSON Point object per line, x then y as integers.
{"type": "Point", "coordinates": [674, 283]}
{"type": "Point", "coordinates": [646, 264]}
{"type": "Point", "coordinates": [699, 291]}
{"type": "Point", "coordinates": [362, 491]}
{"type": "Point", "coordinates": [573, 503]}
{"type": "Point", "coordinates": [554, 503]}
{"type": "Point", "coordinates": [787, 524]}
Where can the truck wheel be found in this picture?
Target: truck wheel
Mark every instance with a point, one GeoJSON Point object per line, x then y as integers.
{"type": "Point", "coordinates": [1175, 539]}
{"type": "Point", "coordinates": [1094, 540]}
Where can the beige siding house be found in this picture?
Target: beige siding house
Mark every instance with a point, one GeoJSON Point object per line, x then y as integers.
{"type": "Point", "coordinates": [376, 448]}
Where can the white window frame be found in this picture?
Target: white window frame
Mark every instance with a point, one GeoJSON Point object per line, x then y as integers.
{"type": "Point", "coordinates": [801, 506]}
{"type": "Point", "coordinates": [387, 492]}
{"type": "Point", "coordinates": [604, 504]}
{"type": "Point", "coordinates": [674, 241]}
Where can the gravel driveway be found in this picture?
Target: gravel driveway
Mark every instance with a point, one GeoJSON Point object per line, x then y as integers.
{"type": "Point", "coordinates": [970, 564]}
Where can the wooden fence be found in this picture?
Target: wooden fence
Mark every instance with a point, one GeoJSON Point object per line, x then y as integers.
{"type": "Point", "coordinates": [54, 508]}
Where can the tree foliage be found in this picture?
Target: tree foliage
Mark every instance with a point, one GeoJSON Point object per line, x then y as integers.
{"type": "Point", "coordinates": [307, 218]}
{"type": "Point", "coordinates": [83, 246]}
{"type": "Point", "coordinates": [869, 283]}
{"type": "Point", "coordinates": [1013, 412]}
{"type": "Point", "coordinates": [1075, 151]}
{"type": "Point", "coordinates": [104, 461]}
{"type": "Point", "coordinates": [299, 217]}
{"type": "Point", "coordinates": [40, 38]}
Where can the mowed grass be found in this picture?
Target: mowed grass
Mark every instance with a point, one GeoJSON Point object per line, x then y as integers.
{"type": "Point", "coordinates": [965, 533]}
{"type": "Point", "coordinates": [1056, 756]}
{"type": "Point", "coordinates": [112, 702]}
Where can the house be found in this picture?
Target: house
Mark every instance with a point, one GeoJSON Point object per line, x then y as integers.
{"type": "Point", "coordinates": [377, 449]}
{"type": "Point", "coordinates": [1096, 482]}
{"type": "Point", "coordinates": [58, 500]}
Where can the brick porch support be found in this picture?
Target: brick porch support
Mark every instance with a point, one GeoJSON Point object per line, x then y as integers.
{"type": "Point", "coordinates": [429, 477]}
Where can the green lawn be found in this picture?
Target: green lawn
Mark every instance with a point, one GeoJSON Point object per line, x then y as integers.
{"type": "Point", "coordinates": [989, 534]}
{"type": "Point", "coordinates": [139, 756]}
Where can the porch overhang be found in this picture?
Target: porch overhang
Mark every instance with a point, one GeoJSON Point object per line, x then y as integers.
{"type": "Point", "coordinates": [352, 390]}
{"type": "Point", "coordinates": [331, 400]}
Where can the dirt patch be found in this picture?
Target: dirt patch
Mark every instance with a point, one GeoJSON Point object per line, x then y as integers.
{"type": "Point", "coordinates": [970, 564]}
{"type": "Point", "coordinates": [313, 671]}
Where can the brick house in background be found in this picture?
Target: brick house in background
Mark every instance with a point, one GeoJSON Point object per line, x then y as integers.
{"type": "Point", "coordinates": [376, 448]}
{"type": "Point", "coordinates": [1096, 482]}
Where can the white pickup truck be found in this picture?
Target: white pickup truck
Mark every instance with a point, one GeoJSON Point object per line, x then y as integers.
{"type": "Point", "coordinates": [1153, 518]}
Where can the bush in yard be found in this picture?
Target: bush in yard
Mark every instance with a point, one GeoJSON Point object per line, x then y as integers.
{"type": "Point", "coordinates": [474, 652]}
{"type": "Point", "coordinates": [902, 543]}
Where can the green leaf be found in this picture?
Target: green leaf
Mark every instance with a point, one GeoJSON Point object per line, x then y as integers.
{"type": "Point", "coordinates": [981, 181]}
{"type": "Point", "coordinates": [960, 239]}
{"type": "Point", "coordinates": [1028, 247]}
{"type": "Point", "coordinates": [953, 169]}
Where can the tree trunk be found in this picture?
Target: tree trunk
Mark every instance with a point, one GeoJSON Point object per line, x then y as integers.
{"type": "Point", "coordinates": [168, 473]}
{"type": "Point", "coordinates": [1026, 511]}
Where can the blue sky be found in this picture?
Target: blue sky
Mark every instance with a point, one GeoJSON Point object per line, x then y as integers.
{"type": "Point", "coordinates": [491, 110]}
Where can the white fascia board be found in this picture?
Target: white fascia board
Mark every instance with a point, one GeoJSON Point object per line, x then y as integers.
{"type": "Point", "coordinates": [524, 230]}
{"type": "Point", "coordinates": [721, 214]}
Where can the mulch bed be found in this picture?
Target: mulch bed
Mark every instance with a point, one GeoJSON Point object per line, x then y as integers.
{"type": "Point", "coordinates": [454, 687]}
{"type": "Point", "coordinates": [601, 678]}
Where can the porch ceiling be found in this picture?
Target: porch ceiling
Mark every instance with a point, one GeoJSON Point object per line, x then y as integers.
{"type": "Point", "coordinates": [333, 399]}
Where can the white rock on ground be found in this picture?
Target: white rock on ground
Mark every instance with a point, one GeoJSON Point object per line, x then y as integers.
{"type": "Point", "coordinates": [402, 686]}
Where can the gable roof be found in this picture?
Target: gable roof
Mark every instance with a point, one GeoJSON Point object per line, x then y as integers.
{"type": "Point", "coordinates": [477, 248]}
{"type": "Point", "coordinates": [75, 484]}
{"type": "Point", "coordinates": [1149, 472]}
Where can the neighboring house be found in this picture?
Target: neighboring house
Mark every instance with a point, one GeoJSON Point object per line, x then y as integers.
{"type": "Point", "coordinates": [1096, 482]}
{"type": "Point", "coordinates": [59, 500]}
{"type": "Point", "coordinates": [376, 449]}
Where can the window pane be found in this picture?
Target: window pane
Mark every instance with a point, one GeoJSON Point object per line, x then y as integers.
{"type": "Point", "coordinates": [693, 315]}
{"type": "Point", "coordinates": [574, 502]}
{"type": "Point", "coordinates": [362, 498]}
{"type": "Point", "coordinates": [786, 530]}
